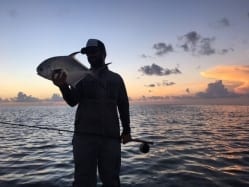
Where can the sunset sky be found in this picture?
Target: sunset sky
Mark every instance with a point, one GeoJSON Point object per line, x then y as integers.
{"type": "Point", "coordinates": [161, 48]}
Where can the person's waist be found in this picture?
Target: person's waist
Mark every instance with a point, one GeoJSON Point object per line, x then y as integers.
{"type": "Point", "coordinates": [89, 132]}
{"type": "Point", "coordinates": [98, 100]}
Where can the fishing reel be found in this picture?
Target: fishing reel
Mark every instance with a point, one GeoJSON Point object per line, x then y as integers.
{"type": "Point", "coordinates": [144, 146]}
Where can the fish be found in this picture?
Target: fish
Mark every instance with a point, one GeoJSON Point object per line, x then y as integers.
{"type": "Point", "coordinates": [74, 70]}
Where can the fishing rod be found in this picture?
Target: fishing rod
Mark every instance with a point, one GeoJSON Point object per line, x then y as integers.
{"type": "Point", "coordinates": [36, 127]}
{"type": "Point", "coordinates": [144, 147]}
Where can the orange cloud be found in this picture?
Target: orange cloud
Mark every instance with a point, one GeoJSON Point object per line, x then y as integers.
{"type": "Point", "coordinates": [238, 75]}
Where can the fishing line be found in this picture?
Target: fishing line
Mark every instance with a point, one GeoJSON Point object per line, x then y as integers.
{"type": "Point", "coordinates": [55, 129]}
{"type": "Point", "coordinates": [144, 147]}
{"type": "Point", "coordinates": [37, 127]}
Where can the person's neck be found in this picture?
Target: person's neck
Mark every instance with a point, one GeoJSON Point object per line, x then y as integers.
{"type": "Point", "coordinates": [99, 66]}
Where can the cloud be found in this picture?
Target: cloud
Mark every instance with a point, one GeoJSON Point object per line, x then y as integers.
{"type": "Point", "coordinates": [56, 97]}
{"type": "Point", "coordinates": [162, 48]}
{"type": "Point", "coordinates": [224, 22]}
{"type": "Point", "coordinates": [225, 51]}
{"type": "Point", "coordinates": [205, 47]}
{"type": "Point", "coordinates": [155, 69]}
{"type": "Point", "coordinates": [167, 83]}
{"type": "Point", "coordinates": [150, 85]}
{"type": "Point", "coordinates": [190, 41]}
{"type": "Point", "coordinates": [146, 56]}
{"type": "Point", "coordinates": [144, 98]}
{"type": "Point", "coordinates": [192, 38]}
{"type": "Point", "coordinates": [158, 84]}
{"type": "Point", "coordinates": [221, 23]}
{"type": "Point", "coordinates": [198, 45]}
{"type": "Point", "coordinates": [22, 97]}
{"type": "Point", "coordinates": [216, 90]}
{"type": "Point", "coordinates": [187, 90]}
{"type": "Point", "coordinates": [194, 43]}
{"type": "Point", "coordinates": [237, 75]}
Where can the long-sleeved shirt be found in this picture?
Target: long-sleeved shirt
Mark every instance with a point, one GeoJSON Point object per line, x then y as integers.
{"type": "Point", "coordinates": [101, 100]}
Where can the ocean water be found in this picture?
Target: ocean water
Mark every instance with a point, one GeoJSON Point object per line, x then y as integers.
{"type": "Point", "coordinates": [194, 145]}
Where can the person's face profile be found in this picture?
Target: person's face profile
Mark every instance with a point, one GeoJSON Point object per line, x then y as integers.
{"type": "Point", "coordinates": [92, 51]}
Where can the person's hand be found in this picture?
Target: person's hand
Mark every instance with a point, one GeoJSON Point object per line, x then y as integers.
{"type": "Point", "coordinates": [59, 78]}
{"type": "Point", "coordinates": [125, 138]}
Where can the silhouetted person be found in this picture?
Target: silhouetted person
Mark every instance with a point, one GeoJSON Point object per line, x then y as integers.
{"type": "Point", "coordinates": [101, 100]}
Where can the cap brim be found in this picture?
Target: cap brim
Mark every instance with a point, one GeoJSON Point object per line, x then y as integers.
{"type": "Point", "coordinates": [83, 50]}
{"type": "Point", "coordinates": [89, 49]}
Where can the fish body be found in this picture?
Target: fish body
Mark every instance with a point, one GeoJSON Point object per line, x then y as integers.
{"type": "Point", "coordinates": [74, 70]}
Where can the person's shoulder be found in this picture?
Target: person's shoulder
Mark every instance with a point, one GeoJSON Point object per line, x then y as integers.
{"type": "Point", "coordinates": [115, 75]}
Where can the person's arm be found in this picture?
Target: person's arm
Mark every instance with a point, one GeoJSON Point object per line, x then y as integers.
{"type": "Point", "coordinates": [69, 94]}
{"type": "Point", "coordinates": [123, 108]}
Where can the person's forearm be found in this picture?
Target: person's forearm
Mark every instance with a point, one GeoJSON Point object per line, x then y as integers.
{"type": "Point", "coordinates": [69, 95]}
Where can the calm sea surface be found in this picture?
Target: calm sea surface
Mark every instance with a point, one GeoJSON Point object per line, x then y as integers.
{"type": "Point", "coordinates": [195, 145]}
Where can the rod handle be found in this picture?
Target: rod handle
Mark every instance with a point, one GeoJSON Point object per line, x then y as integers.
{"type": "Point", "coordinates": [142, 141]}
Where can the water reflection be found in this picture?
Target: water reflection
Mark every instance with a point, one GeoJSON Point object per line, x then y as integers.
{"type": "Point", "coordinates": [194, 146]}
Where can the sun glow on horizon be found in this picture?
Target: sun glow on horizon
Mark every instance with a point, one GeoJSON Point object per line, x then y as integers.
{"type": "Point", "coordinates": [236, 74]}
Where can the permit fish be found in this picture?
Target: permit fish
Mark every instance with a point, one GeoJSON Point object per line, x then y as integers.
{"type": "Point", "coordinates": [74, 70]}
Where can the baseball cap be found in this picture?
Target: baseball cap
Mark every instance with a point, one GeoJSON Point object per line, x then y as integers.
{"type": "Point", "coordinates": [91, 43]}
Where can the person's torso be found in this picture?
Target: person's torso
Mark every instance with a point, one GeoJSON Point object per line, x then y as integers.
{"type": "Point", "coordinates": [97, 109]}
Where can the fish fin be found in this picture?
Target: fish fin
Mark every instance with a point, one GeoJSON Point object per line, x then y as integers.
{"type": "Point", "coordinates": [73, 54]}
